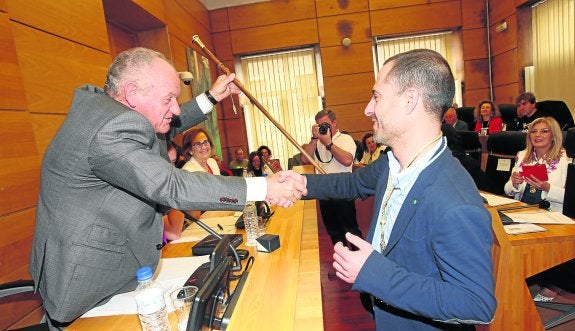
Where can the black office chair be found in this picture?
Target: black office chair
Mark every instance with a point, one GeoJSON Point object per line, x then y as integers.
{"type": "Point", "coordinates": [22, 292]}
{"type": "Point", "coordinates": [559, 111]}
{"type": "Point", "coordinates": [508, 112]}
{"type": "Point", "coordinates": [502, 147]}
{"type": "Point", "coordinates": [470, 143]}
{"type": "Point", "coordinates": [466, 114]}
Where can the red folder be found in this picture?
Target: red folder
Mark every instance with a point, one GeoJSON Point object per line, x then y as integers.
{"type": "Point", "coordinates": [537, 170]}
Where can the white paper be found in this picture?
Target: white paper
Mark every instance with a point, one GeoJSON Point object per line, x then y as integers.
{"type": "Point", "coordinates": [522, 228]}
{"type": "Point", "coordinates": [540, 217]}
{"type": "Point", "coordinates": [496, 200]}
{"type": "Point", "coordinates": [195, 233]}
{"type": "Point", "coordinates": [503, 164]}
{"type": "Point", "coordinates": [170, 274]}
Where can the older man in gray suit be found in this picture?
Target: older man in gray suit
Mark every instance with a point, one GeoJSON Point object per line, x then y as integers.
{"type": "Point", "coordinates": [106, 179]}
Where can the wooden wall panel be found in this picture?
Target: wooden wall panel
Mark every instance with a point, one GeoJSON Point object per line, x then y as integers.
{"type": "Point", "coordinates": [120, 39]}
{"type": "Point", "coordinates": [233, 132]}
{"type": "Point", "coordinates": [12, 94]}
{"type": "Point", "coordinates": [197, 10]}
{"type": "Point", "coordinates": [223, 46]}
{"type": "Point", "coordinates": [339, 60]}
{"type": "Point", "coordinates": [53, 67]}
{"type": "Point", "coordinates": [183, 25]}
{"type": "Point", "coordinates": [16, 244]}
{"type": "Point", "coordinates": [474, 44]}
{"type": "Point", "coordinates": [476, 74]}
{"type": "Point", "coordinates": [505, 40]}
{"type": "Point", "coordinates": [333, 29]}
{"type": "Point", "coordinates": [19, 162]}
{"type": "Point", "coordinates": [154, 7]}
{"type": "Point", "coordinates": [350, 117]}
{"type": "Point", "coordinates": [446, 15]}
{"type": "Point", "coordinates": [271, 12]}
{"type": "Point", "coordinates": [335, 7]}
{"type": "Point", "coordinates": [273, 37]}
{"type": "Point", "coordinates": [348, 89]}
{"type": "Point", "coordinates": [473, 14]}
{"type": "Point", "coordinates": [3, 6]}
{"type": "Point", "coordinates": [506, 93]}
{"type": "Point", "coordinates": [472, 98]}
{"type": "Point", "coordinates": [378, 4]}
{"type": "Point", "coordinates": [83, 21]}
{"type": "Point", "coordinates": [504, 68]}
{"type": "Point", "coordinates": [156, 39]}
{"type": "Point", "coordinates": [502, 10]}
{"type": "Point", "coordinates": [45, 128]}
{"type": "Point", "coordinates": [180, 62]}
{"type": "Point", "coordinates": [219, 20]}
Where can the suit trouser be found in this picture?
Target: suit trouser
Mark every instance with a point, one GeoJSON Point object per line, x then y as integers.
{"type": "Point", "coordinates": [339, 218]}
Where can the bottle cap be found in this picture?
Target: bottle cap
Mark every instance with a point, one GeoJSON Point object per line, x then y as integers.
{"type": "Point", "coordinates": [144, 273]}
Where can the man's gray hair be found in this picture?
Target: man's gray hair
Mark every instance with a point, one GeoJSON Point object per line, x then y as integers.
{"type": "Point", "coordinates": [128, 65]}
{"type": "Point", "coordinates": [429, 73]}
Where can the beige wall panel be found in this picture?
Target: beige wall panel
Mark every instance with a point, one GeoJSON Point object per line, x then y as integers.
{"type": "Point", "coordinates": [219, 20]}
{"type": "Point", "coordinates": [504, 68]}
{"type": "Point", "coordinates": [348, 88]}
{"type": "Point", "coordinates": [339, 60]}
{"type": "Point", "coordinates": [472, 98]}
{"type": "Point", "coordinates": [19, 162]}
{"type": "Point", "coordinates": [350, 117]}
{"type": "Point", "coordinates": [45, 128]}
{"type": "Point", "coordinates": [223, 47]}
{"type": "Point", "coordinates": [474, 44]}
{"type": "Point", "coordinates": [505, 40]}
{"type": "Point", "coordinates": [154, 7]}
{"type": "Point", "coordinates": [183, 25]}
{"type": "Point", "coordinates": [335, 7]}
{"type": "Point", "coordinates": [270, 12]}
{"type": "Point", "coordinates": [473, 14]}
{"type": "Point", "coordinates": [476, 74]}
{"type": "Point", "coordinates": [274, 37]}
{"type": "Point", "coordinates": [446, 15]}
{"type": "Point", "coordinates": [503, 9]}
{"type": "Point", "coordinates": [334, 28]}
{"type": "Point", "coordinates": [80, 21]}
{"type": "Point", "coordinates": [12, 94]}
{"type": "Point", "coordinates": [53, 67]}
{"type": "Point", "coordinates": [15, 244]}
{"type": "Point", "coordinates": [506, 93]}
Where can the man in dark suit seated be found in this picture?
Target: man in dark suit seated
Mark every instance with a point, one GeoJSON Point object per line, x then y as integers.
{"type": "Point", "coordinates": [426, 261]}
{"type": "Point", "coordinates": [450, 118]}
{"type": "Point", "coordinates": [106, 181]}
{"type": "Point", "coordinates": [527, 112]}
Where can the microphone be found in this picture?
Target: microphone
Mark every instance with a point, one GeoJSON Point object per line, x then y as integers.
{"type": "Point", "coordinates": [238, 264]}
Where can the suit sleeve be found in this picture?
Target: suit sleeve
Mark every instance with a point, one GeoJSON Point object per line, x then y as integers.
{"type": "Point", "coordinates": [125, 153]}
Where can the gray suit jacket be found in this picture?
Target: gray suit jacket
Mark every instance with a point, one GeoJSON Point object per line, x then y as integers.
{"type": "Point", "coordinates": [461, 125]}
{"type": "Point", "coordinates": [105, 181]}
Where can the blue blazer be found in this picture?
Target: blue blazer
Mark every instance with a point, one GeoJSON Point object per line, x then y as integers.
{"type": "Point", "coordinates": [437, 266]}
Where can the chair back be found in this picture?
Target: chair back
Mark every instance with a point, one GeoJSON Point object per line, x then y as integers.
{"type": "Point", "coordinates": [466, 114]}
{"type": "Point", "coordinates": [503, 148]}
{"type": "Point", "coordinates": [508, 113]}
{"type": "Point", "coordinates": [470, 143]}
{"type": "Point", "coordinates": [559, 111]}
{"type": "Point", "coordinates": [569, 197]}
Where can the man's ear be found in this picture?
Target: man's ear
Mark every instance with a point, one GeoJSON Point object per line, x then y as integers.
{"type": "Point", "coordinates": [411, 98]}
{"type": "Point", "coordinates": [130, 92]}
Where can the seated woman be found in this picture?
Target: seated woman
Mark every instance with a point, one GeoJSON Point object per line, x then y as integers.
{"type": "Point", "coordinates": [371, 149]}
{"type": "Point", "coordinates": [544, 146]}
{"type": "Point", "coordinates": [255, 168]}
{"type": "Point", "coordinates": [487, 118]}
{"type": "Point", "coordinates": [274, 164]}
{"type": "Point", "coordinates": [198, 145]}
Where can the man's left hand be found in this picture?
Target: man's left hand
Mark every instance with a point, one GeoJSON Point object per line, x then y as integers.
{"type": "Point", "coordinates": [348, 263]}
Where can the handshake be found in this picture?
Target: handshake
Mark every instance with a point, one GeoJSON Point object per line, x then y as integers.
{"type": "Point", "coordinates": [285, 188]}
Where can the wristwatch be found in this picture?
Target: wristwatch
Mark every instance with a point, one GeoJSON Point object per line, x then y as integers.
{"type": "Point", "coordinates": [328, 146]}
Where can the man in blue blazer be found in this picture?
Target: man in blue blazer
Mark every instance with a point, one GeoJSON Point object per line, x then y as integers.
{"type": "Point", "coordinates": [107, 179]}
{"type": "Point", "coordinates": [427, 260]}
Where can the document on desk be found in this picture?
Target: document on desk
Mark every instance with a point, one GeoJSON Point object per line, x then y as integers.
{"type": "Point", "coordinates": [222, 225]}
{"type": "Point", "coordinates": [170, 274]}
{"type": "Point", "coordinates": [540, 217]}
{"type": "Point", "coordinates": [520, 228]}
{"type": "Point", "coordinates": [496, 200]}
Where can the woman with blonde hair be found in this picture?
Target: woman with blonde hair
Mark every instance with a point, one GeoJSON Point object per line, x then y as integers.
{"type": "Point", "coordinates": [544, 146]}
{"type": "Point", "coordinates": [487, 118]}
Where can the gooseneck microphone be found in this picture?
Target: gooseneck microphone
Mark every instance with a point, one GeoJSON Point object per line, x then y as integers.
{"type": "Point", "coordinates": [238, 264]}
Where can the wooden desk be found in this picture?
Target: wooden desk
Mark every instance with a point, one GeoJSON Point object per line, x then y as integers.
{"type": "Point", "coordinates": [282, 291]}
{"type": "Point", "coordinates": [518, 257]}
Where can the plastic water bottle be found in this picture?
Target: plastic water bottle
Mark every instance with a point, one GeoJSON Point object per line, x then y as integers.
{"type": "Point", "coordinates": [151, 303]}
{"type": "Point", "coordinates": [250, 216]}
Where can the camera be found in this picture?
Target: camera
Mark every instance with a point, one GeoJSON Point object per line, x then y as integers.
{"type": "Point", "coordinates": [324, 127]}
{"type": "Point", "coordinates": [186, 77]}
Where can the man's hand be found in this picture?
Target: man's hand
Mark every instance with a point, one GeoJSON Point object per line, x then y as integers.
{"type": "Point", "coordinates": [285, 187]}
{"type": "Point", "coordinates": [223, 87]}
{"type": "Point", "coordinates": [348, 263]}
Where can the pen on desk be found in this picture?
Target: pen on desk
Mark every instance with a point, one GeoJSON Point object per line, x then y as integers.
{"type": "Point", "coordinates": [220, 227]}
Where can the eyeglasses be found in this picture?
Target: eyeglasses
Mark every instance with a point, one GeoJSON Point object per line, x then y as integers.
{"type": "Point", "coordinates": [199, 144]}
{"type": "Point", "coordinates": [540, 131]}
